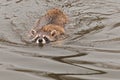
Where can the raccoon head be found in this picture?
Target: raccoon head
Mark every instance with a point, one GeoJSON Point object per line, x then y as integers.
{"type": "Point", "coordinates": [42, 37]}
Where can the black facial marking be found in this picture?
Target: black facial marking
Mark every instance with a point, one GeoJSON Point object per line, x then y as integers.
{"type": "Point", "coordinates": [46, 39]}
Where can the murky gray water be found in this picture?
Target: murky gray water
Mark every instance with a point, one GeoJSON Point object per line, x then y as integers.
{"type": "Point", "coordinates": [91, 52]}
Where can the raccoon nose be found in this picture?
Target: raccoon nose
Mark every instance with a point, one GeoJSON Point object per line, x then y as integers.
{"type": "Point", "coordinates": [40, 40]}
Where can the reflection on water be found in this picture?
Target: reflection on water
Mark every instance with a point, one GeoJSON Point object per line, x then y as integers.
{"type": "Point", "coordinates": [91, 52]}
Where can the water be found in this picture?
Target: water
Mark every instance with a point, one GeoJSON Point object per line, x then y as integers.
{"type": "Point", "coordinates": [91, 52]}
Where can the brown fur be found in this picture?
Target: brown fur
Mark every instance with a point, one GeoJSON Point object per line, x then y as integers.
{"type": "Point", "coordinates": [53, 20]}
{"type": "Point", "coordinates": [53, 16]}
{"type": "Point", "coordinates": [51, 27]}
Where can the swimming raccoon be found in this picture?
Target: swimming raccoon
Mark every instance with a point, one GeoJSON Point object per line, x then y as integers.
{"type": "Point", "coordinates": [49, 27]}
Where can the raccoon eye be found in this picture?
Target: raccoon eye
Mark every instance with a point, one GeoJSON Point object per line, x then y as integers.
{"type": "Point", "coordinates": [33, 32]}
{"type": "Point", "coordinates": [53, 33]}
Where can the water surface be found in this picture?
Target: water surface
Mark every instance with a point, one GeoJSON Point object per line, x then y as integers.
{"type": "Point", "coordinates": [91, 52]}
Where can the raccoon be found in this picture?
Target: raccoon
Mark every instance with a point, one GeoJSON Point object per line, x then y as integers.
{"type": "Point", "coordinates": [49, 27]}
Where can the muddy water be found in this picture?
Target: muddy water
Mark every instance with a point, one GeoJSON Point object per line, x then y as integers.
{"type": "Point", "coordinates": [91, 52]}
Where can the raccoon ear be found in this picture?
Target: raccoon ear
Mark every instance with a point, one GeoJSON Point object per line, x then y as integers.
{"type": "Point", "coordinates": [53, 33]}
{"type": "Point", "coordinates": [33, 32]}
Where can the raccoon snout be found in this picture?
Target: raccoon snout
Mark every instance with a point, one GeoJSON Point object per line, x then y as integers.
{"type": "Point", "coordinates": [43, 40]}
{"type": "Point", "coordinates": [40, 41]}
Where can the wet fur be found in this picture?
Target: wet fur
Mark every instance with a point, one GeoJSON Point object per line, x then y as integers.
{"type": "Point", "coordinates": [53, 21]}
